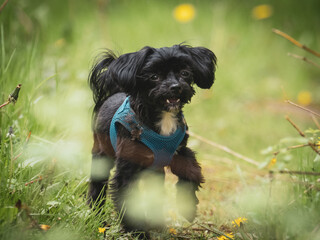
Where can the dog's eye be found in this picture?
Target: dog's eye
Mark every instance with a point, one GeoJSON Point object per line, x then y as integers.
{"type": "Point", "coordinates": [185, 73]}
{"type": "Point", "coordinates": [154, 77]}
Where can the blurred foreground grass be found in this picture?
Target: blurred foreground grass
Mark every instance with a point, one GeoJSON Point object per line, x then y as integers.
{"type": "Point", "coordinates": [49, 46]}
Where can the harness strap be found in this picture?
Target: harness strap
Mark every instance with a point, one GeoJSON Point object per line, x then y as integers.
{"type": "Point", "coordinates": [163, 147]}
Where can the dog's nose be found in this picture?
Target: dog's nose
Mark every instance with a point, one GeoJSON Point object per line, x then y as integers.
{"type": "Point", "coordinates": [176, 88]}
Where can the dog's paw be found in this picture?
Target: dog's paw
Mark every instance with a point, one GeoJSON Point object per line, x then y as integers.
{"type": "Point", "coordinates": [188, 210]}
{"type": "Point", "coordinates": [187, 200]}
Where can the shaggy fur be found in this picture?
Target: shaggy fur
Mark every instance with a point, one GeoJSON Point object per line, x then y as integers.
{"type": "Point", "coordinates": [159, 82]}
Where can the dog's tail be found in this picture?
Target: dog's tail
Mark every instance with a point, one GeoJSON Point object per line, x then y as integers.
{"type": "Point", "coordinates": [100, 81]}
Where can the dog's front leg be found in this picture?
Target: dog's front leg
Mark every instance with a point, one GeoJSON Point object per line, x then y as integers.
{"type": "Point", "coordinates": [186, 167]}
{"type": "Point", "coordinates": [122, 190]}
{"type": "Point", "coordinates": [102, 163]}
{"type": "Point", "coordinates": [132, 158]}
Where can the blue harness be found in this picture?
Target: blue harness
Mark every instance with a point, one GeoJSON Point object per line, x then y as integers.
{"type": "Point", "coordinates": [163, 147]}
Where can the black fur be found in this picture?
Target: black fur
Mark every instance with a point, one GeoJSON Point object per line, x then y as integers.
{"type": "Point", "coordinates": [158, 81]}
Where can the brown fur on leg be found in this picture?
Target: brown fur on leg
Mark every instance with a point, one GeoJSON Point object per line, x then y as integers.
{"type": "Point", "coordinates": [101, 159]}
{"type": "Point", "coordinates": [102, 143]}
{"type": "Point", "coordinates": [185, 166]}
{"type": "Point", "coordinates": [134, 152]}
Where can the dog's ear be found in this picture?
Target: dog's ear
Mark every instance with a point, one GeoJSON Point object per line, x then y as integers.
{"type": "Point", "coordinates": [124, 69]}
{"type": "Point", "coordinates": [204, 63]}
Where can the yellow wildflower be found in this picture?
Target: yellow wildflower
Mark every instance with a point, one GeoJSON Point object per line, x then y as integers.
{"type": "Point", "coordinates": [172, 231]}
{"type": "Point", "coordinates": [239, 221]}
{"type": "Point", "coordinates": [262, 12]}
{"type": "Point", "coordinates": [184, 13]}
{"type": "Point", "coordinates": [318, 144]}
{"type": "Point", "coordinates": [272, 162]}
{"type": "Point", "coordinates": [102, 230]}
{"type": "Point", "coordinates": [44, 227]}
{"type": "Point", "coordinates": [230, 235]}
{"type": "Point", "coordinates": [304, 98]}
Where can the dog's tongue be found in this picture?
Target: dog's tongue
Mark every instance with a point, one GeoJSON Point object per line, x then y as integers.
{"type": "Point", "coordinates": [173, 100]}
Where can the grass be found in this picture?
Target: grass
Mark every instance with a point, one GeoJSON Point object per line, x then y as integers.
{"type": "Point", "coordinates": [49, 46]}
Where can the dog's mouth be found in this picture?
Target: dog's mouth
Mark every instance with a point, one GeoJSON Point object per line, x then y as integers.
{"type": "Point", "coordinates": [173, 103]}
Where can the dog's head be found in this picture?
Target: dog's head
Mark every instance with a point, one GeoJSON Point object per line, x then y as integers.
{"type": "Point", "coordinates": [164, 77]}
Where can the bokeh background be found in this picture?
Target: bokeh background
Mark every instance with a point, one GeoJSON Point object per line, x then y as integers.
{"type": "Point", "coordinates": [50, 46]}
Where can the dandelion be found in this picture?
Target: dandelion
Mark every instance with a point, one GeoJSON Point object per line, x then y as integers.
{"type": "Point", "coordinates": [184, 13]}
{"type": "Point", "coordinates": [172, 231]}
{"type": "Point", "coordinates": [44, 227]}
{"type": "Point", "coordinates": [13, 97]}
{"type": "Point", "coordinates": [101, 230]}
{"type": "Point", "coordinates": [272, 162]}
{"type": "Point", "coordinates": [230, 235]}
{"type": "Point", "coordinates": [262, 12]}
{"type": "Point", "coordinates": [304, 98]}
{"type": "Point", "coordinates": [239, 221]}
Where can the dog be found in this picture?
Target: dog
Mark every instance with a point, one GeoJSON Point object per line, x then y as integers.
{"type": "Point", "coordinates": [138, 123]}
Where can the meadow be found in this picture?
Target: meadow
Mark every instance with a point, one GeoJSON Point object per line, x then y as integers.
{"type": "Point", "coordinates": [259, 153]}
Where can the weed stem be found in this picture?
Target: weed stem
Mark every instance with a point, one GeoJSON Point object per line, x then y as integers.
{"type": "Point", "coordinates": [303, 108]}
{"type": "Point", "coordinates": [296, 127]}
{"type": "Point", "coordinates": [295, 42]}
{"type": "Point", "coordinates": [224, 148]}
{"type": "Point", "coordinates": [304, 59]}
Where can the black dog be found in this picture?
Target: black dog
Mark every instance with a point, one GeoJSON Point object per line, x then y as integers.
{"type": "Point", "coordinates": [138, 122]}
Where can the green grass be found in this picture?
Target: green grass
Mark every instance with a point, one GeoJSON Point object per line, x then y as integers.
{"type": "Point", "coordinates": [49, 47]}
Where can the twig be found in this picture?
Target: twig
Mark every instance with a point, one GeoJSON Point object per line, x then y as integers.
{"type": "Point", "coordinates": [297, 172]}
{"type": "Point", "coordinates": [296, 127]}
{"type": "Point", "coordinates": [309, 144]}
{"type": "Point", "coordinates": [312, 145]}
{"type": "Point", "coordinates": [4, 104]}
{"type": "Point", "coordinates": [303, 108]}
{"type": "Point", "coordinates": [3, 5]}
{"type": "Point", "coordinates": [304, 59]}
{"type": "Point", "coordinates": [295, 42]}
{"type": "Point", "coordinates": [192, 224]}
{"type": "Point", "coordinates": [224, 148]}
{"type": "Point", "coordinates": [291, 147]}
